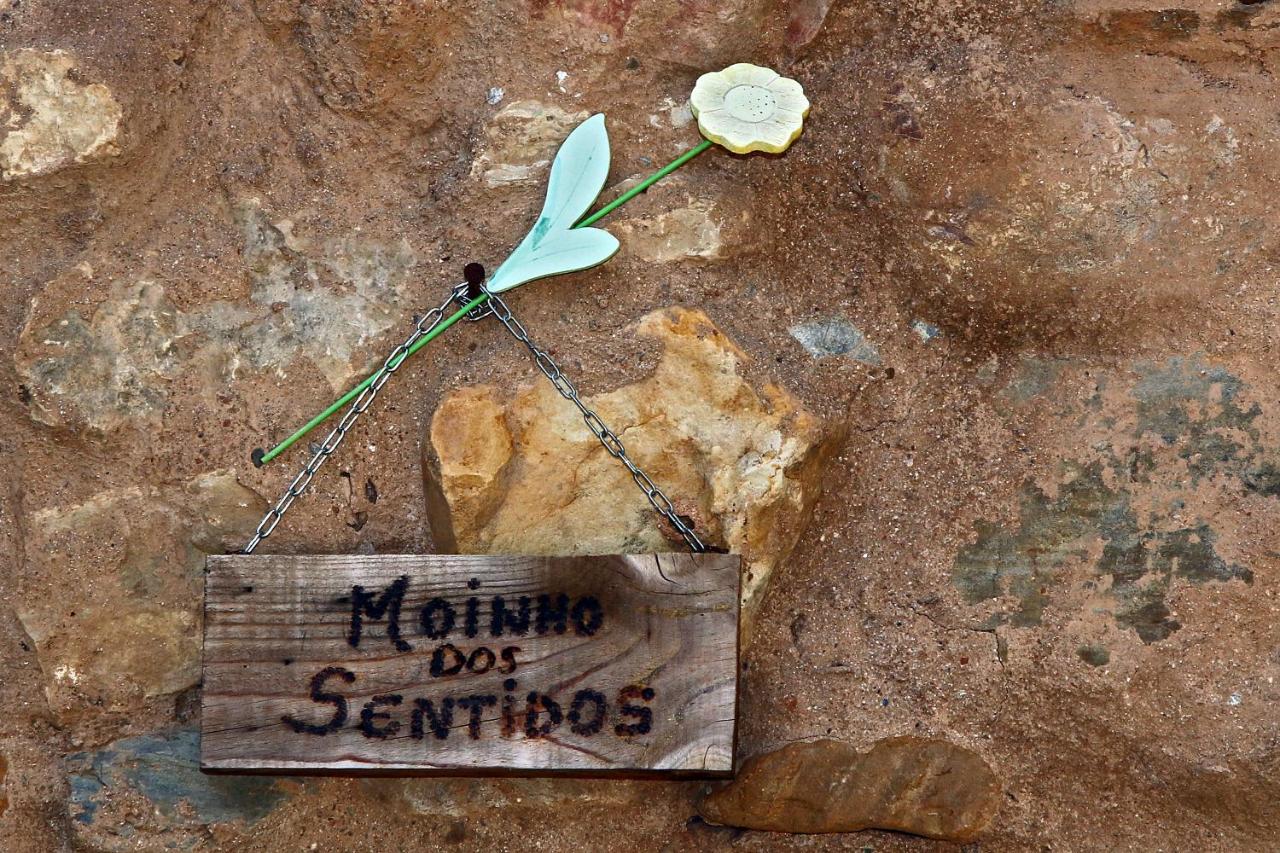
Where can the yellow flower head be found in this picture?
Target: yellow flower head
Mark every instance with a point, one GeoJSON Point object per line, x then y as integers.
{"type": "Point", "coordinates": [747, 108]}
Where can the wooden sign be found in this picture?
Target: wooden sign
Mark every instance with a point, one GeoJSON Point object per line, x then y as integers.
{"type": "Point", "coordinates": [471, 664]}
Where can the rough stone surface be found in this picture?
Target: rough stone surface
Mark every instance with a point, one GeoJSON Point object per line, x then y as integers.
{"type": "Point", "coordinates": [918, 785]}
{"type": "Point", "coordinates": [1171, 430]}
{"type": "Point", "coordinates": [1048, 534]}
{"type": "Point", "coordinates": [106, 369]}
{"type": "Point", "coordinates": [51, 118]}
{"type": "Point", "coordinates": [524, 475]}
{"type": "Point", "coordinates": [114, 367]}
{"type": "Point", "coordinates": [111, 589]}
{"type": "Point", "coordinates": [520, 142]}
{"type": "Point", "coordinates": [148, 792]}
{"type": "Point", "coordinates": [685, 232]}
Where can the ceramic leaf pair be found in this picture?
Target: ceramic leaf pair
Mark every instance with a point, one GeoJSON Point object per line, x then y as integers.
{"type": "Point", "coordinates": [744, 108]}
{"type": "Point", "coordinates": [554, 246]}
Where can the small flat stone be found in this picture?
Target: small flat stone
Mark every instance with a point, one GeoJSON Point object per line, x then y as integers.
{"type": "Point", "coordinates": [835, 336]}
{"type": "Point", "coordinates": [686, 232]}
{"type": "Point", "coordinates": [922, 786]}
{"type": "Point", "coordinates": [520, 140]}
{"type": "Point", "coordinates": [925, 330]}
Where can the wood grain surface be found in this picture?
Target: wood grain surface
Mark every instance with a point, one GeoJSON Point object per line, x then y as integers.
{"type": "Point", "coordinates": [410, 665]}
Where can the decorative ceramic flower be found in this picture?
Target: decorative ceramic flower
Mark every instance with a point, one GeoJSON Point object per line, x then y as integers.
{"type": "Point", "coordinates": [747, 108]}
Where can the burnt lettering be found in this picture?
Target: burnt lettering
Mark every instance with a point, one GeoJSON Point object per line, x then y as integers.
{"type": "Point", "coordinates": [642, 714]}
{"type": "Point", "coordinates": [369, 717]}
{"type": "Point", "coordinates": [438, 667]}
{"type": "Point", "coordinates": [535, 704]}
{"type": "Point", "coordinates": [553, 615]}
{"type": "Point", "coordinates": [440, 723]}
{"type": "Point", "coordinates": [481, 661]}
{"type": "Point", "coordinates": [508, 708]}
{"type": "Point", "coordinates": [387, 604]}
{"type": "Point", "coordinates": [318, 695]}
{"type": "Point", "coordinates": [472, 624]}
{"type": "Point", "coordinates": [502, 620]}
{"type": "Point", "coordinates": [476, 704]}
{"type": "Point", "coordinates": [587, 725]}
{"type": "Point", "coordinates": [531, 713]}
{"type": "Point", "coordinates": [437, 608]}
{"type": "Point", "coordinates": [587, 615]}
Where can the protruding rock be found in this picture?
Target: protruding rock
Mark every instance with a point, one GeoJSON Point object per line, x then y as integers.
{"type": "Point", "coordinates": [905, 784]}
{"type": "Point", "coordinates": [110, 589]}
{"type": "Point", "coordinates": [521, 140]}
{"type": "Point", "coordinates": [524, 475]}
{"type": "Point", "coordinates": [52, 119]}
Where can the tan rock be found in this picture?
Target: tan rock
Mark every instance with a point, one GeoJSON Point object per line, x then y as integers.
{"type": "Point", "coordinates": [110, 589]}
{"type": "Point", "coordinates": [905, 784]}
{"type": "Point", "coordinates": [686, 232]}
{"type": "Point", "coordinates": [53, 119]}
{"type": "Point", "coordinates": [521, 140]}
{"type": "Point", "coordinates": [522, 474]}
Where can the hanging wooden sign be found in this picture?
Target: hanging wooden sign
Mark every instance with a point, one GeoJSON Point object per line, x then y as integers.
{"type": "Point", "coordinates": [454, 664]}
{"type": "Point", "coordinates": [471, 664]}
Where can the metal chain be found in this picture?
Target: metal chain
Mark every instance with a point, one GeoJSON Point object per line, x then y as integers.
{"type": "Point", "coordinates": [300, 482]}
{"type": "Point", "coordinates": [608, 438]}
{"type": "Point", "coordinates": [495, 306]}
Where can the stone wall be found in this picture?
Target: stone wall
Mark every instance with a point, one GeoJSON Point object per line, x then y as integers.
{"type": "Point", "coordinates": [991, 366]}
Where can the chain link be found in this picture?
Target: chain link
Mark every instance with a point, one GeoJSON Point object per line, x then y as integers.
{"type": "Point", "coordinates": [545, 363]}
{"type": "Point", "coordinates": [300, 482]}
{"type": "Point", "coordinates": [607, 437]}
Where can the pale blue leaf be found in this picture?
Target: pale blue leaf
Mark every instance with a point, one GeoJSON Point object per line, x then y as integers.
{"type": "Point", "coordinates": [561, 252]}
{"type": "Point", "coordinates": [577, 175]}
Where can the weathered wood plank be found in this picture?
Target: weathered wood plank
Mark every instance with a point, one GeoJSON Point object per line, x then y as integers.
{"type": "Point", "coordinates": [470, 664]}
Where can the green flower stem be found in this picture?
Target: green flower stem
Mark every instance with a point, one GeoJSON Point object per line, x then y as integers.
{"type": "Point", "coordinates": [474, 303]}
{"type": "Point", "coordinates": [645, 184]}
{"type": "Point", "coordinates": [355, 392]}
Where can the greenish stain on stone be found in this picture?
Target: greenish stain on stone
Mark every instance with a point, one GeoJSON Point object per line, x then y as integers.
{"type": "Point", "coordinates": [1171, 399]}
{"type": "Point", "coordinates": [1025, 562]}
{"type": "Point", "coordinates": [164, 767]}
{"type": "Point", "coordinates": [1191, 406]}
{"type": "Point", "coordinates": [1029, 561]}
{"type": "Point", "coordinates": [1263, 479]}
{"type": "Point", "coordinates": [1033, 378]}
